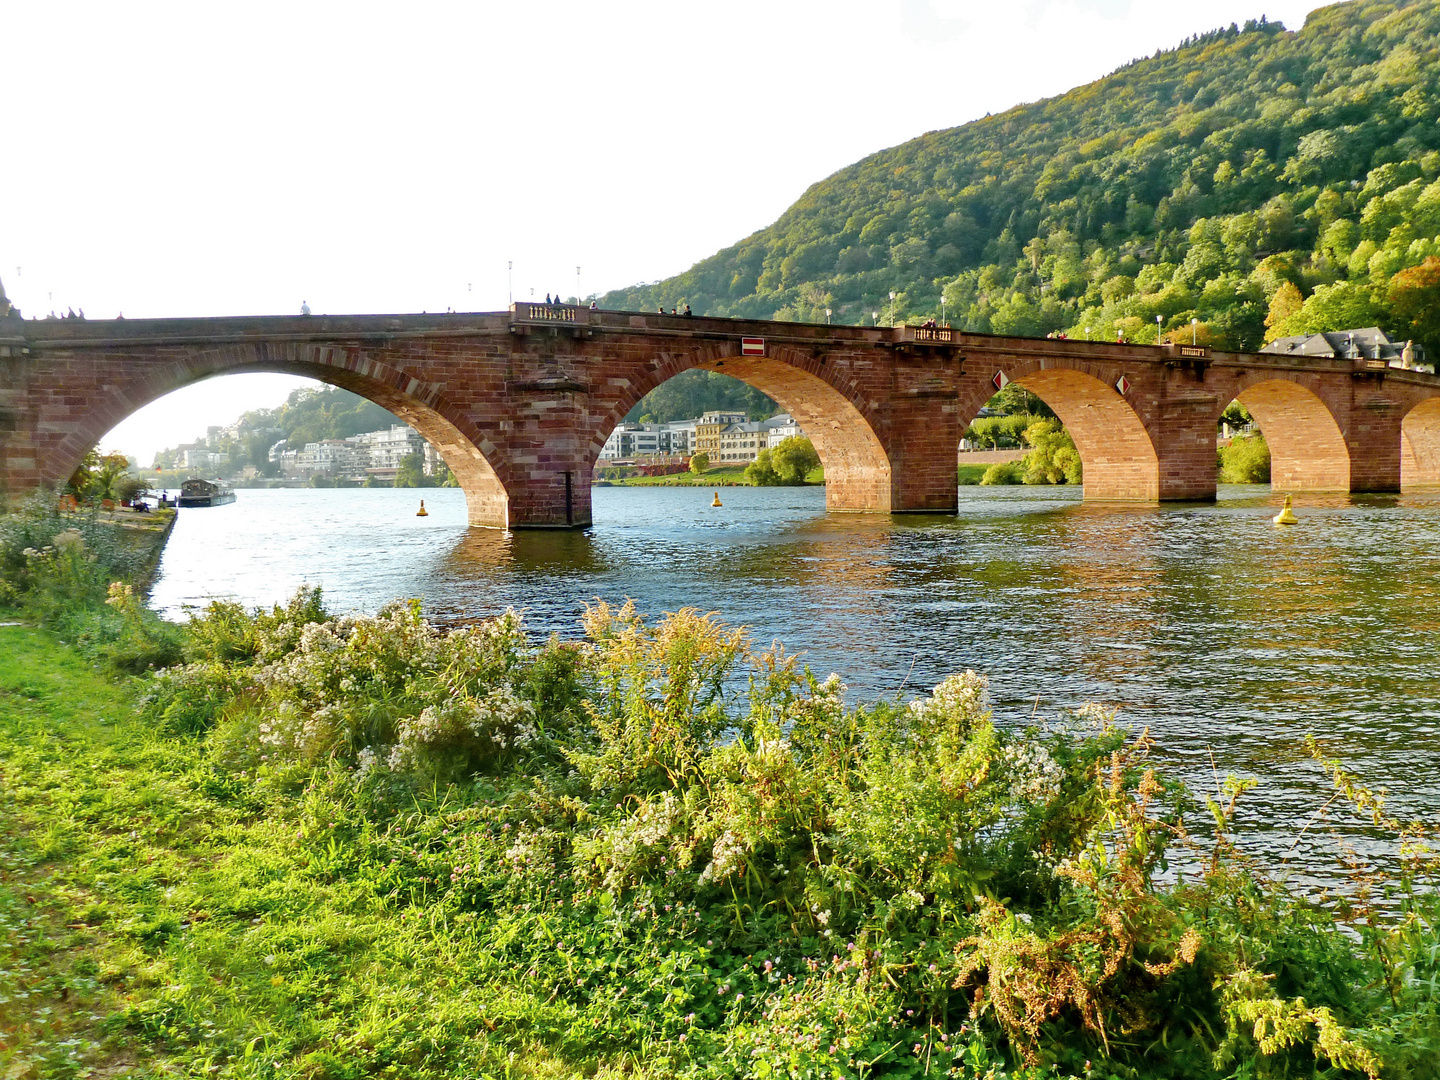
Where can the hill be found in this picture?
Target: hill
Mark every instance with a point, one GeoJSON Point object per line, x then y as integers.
{"type": "Point", "coordinates": [308, 415]}
{"type": "Point", "coordinates": [1257, 180]}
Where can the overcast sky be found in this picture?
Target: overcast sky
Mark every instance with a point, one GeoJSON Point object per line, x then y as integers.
{"type": "Point", "coordinates": [224, 158]}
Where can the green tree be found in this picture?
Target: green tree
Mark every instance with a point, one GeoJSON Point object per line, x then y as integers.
{"type": "Point", "coordinates": [1345, 305]}
{"type": "Point", "coordinates": [97, 476]}
{"type": "Point", "coordinates": [699, 463]}
{"type": "Point", "coordinates": [761, 472]}
{"type": "Point", "coordinates": [1284, 306]}
{"type": "Point", "coordinates": [1245, 461]}
{"type": "Point", "coordinates": [1053, 458]}
{"type": "Point", "coordinates": [697, 391]}
{"type": "Point", "coordinates": [410, 473]}
{"type": "Point", "coordinates": [1414, 302]}
{"type": "Point", "coordinates": [794, 459]}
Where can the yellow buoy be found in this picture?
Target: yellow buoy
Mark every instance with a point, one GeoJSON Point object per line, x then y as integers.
{"type": "Point", "coordinates": [422, 512]}
{"type": "Point", "coordinates": [1286, 516]}
{"type": "Point", "coordinates": [717, 501]}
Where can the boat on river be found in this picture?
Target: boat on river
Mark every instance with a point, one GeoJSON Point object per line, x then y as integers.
{"type": "Point", "coordinates": [197, 492]}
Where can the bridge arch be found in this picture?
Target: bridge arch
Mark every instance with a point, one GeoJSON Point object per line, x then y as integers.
{"type": "Point", "coordinates": [470, 457]}
{"type": "Point", "coordinates": [1307, 448]}
{"type": "Point", "coordinates": [1420, 445]}
{"type": "Point", "coordinates": [836, 419]}
{"type": "Point", "coordinates": [1117, 454]}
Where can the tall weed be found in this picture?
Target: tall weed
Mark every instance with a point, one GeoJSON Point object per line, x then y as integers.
{"type": "Point", "coordinates": [705, 857]}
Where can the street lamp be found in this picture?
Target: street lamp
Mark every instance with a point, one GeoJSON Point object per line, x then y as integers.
{"type": "Point", "coordinates": [827, 316]}
{"type": "Point", "coordinates": [1157, 329]}
{"type": "Point", "coordinates": [875, 318]}
{"type": "Point", "coordinates": [510, 278]}
{"type": "Point", "coordinates": [1194, 331]}
{"type": "Point", "coordinates": [942, 310]}
{"type": "Point", "coordinates": [892, 309]}
{"type": "Point", "coordinates": [1087, 333]}
{"type": "Point", "coordinates": [577, 284]}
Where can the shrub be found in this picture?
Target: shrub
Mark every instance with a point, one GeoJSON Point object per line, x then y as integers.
{"type": "Point", "coordinates": [1054, 459]}
{"type": "Point", "coordinates": [1245, 461]}
{"type": "Point", "coordinates": [761, 472]}
{"type": "Point", "coordinates": [699, 463]}
{"type": "Point", "coordinates": [886, 886]}
{"type": "Point", "coordinates": [1002, 472]}
{"type": "Point", "coordinates": [71, 573]}
{"type": "Point", "coordinates": [794, 459]}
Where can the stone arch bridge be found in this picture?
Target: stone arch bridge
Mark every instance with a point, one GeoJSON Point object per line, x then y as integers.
{"type": "Point", "coordinates": [519, 403]}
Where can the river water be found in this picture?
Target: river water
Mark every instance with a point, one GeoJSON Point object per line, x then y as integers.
{"type": "Point", "coordinates": [1229, 638]}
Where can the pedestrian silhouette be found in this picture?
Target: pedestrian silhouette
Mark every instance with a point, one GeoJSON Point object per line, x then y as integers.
{"type": "Point", "coordinates": [547, 299]}
{"type": "Point", "coordinates": [304, 307]}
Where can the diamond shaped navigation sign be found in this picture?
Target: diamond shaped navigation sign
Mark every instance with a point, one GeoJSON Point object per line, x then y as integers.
{"type": "Point", "coordinates": [1123, 385]}
{"type": "Point", "coordinates": [1000, 381]}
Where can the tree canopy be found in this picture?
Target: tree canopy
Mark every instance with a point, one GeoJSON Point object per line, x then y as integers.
{"type": "Point", "coordinates": [1250, 183]}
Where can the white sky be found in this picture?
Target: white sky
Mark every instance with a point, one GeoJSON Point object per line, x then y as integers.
{"type": "Point", "coordinates": [227, 158]}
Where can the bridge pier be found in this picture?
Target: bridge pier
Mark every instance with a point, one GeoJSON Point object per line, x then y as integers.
{"type": "Point", "coordinates": [1373, 438]}
{"type": "Point", "coordinates": [1184, 434]}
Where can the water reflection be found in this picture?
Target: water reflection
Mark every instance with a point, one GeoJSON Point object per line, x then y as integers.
{"type": "Point", "coordinates": [1230, 639]}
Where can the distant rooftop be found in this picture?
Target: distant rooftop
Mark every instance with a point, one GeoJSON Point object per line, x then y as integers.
{"type": "Point", "coordinates": [1368, 343]}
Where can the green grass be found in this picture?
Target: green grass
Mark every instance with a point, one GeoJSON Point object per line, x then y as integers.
{"type": "Point", "coordinates": [158, 918]}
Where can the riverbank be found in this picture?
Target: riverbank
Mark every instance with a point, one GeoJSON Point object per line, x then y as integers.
{"type": "Point", "coordinates": [516, 874]}
{"type": "Point", "coordinates": [716, 477]}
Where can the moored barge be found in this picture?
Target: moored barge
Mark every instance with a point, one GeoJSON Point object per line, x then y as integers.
{"type": "Point", "coordinates": [197, 492]}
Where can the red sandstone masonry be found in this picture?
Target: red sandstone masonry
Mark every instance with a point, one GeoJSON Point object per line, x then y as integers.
{"type": "Point", "coordinates": [520, 408]}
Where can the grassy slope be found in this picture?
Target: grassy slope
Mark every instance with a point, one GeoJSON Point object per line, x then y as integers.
{"type": "Point", "coordinates": [153, 919]}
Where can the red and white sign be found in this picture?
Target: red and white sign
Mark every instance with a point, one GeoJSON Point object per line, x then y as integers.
{"type": "Point", "coordinates": [1000, 381]}
{"type": "Point", "coordinates": [1123, 385]}
{"type": "Point", "coordinates": [752, 346]}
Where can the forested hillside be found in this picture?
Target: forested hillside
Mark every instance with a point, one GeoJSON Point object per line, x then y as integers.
{"type": "Point", "coordinates": [1261, 181]}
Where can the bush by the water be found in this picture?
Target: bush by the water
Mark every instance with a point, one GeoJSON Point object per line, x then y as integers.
{"type": "Point", "coordinates": [75, 574]}
{"type": "Point", "coordinates": [1246, 460]}
{"type": "Point", "coordinates": [1053, 458]}
{"type": "Point", "coordinates": [1003, 472]}
{"type": "Point", "coordinates": [789, 463]}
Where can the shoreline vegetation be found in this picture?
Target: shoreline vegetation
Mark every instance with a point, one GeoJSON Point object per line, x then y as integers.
{"type": "Point", "coordinates": [321, 846]}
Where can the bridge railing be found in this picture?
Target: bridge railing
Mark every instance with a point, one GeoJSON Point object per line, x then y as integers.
{"type": "Point", "coordinates": [939, 334]}
{"type": "Point", "coordinates": [565, 314]}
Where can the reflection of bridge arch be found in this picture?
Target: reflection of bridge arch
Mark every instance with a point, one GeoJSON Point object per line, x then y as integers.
{"type": "Point", "coordinates": [1116, 451]}
{"type": "Point", "coordinates": [857, 468]}
{"type": "Point", "coordinates": [420, 405]}
{"type": "Point", "coordinates": [1307, 447]}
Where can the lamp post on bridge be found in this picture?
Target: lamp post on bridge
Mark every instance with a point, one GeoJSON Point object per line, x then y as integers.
{"type": "Point", "coordinates": [892, 309]}
{"type": "Point", "coordinates": [1194, 331]}
{"type": "Point", "coordinates": [942, 308]}
{"type": "Point", "coordinates": [827, 316]}
{"type": "Point", "coordinates": [1157, 329]}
